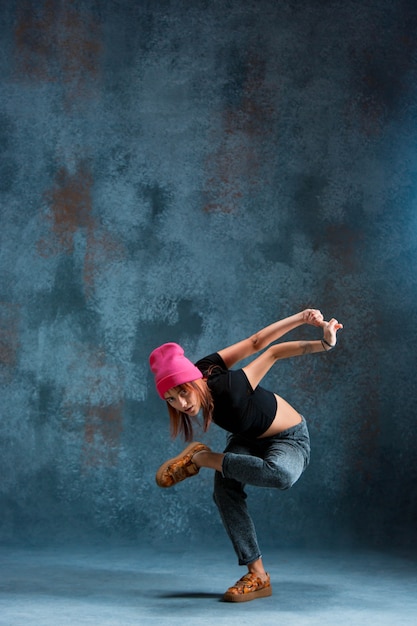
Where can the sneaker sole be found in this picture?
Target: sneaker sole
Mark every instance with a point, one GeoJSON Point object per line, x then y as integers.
{"type": "Point", "coordinates": [164, 466]}
{"type": "Point", "coordinates": [246, 597]}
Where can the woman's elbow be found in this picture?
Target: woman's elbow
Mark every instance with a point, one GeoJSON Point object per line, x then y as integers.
{"type": "Point", "coordinates": [255, 343]}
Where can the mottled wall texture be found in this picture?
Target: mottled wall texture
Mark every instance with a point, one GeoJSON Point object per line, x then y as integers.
{"type": "Point", "coordinates": [192, 171]}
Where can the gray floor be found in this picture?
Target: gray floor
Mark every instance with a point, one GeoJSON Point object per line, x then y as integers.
{"type": "Point", "coordinates": [124, 586]}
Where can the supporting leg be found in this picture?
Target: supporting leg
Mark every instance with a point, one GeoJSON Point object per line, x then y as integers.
{"type": "Point", "coordinates": [230, 498]}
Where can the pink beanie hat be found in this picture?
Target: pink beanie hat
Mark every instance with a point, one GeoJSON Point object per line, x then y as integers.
{"type": "Point", "coordinates": [171, 368]}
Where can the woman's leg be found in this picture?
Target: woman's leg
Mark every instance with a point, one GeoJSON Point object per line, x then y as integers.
{"type": "Point", "coordinates": [230, 498]}
{"type": "Point", "coordinates": [276, 461]}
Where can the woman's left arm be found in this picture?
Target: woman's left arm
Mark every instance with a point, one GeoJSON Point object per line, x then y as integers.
{"type": "Point", "coordinates": [259, 367]}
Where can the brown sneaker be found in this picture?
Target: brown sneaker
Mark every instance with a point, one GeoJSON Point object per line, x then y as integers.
{"type": "Point", "coordinates": [249, 587]}
{"type": "Point", "coordinates": [180, 467]}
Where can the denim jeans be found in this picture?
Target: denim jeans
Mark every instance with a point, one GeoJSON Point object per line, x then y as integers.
{"type": "Point", "coordinates": [276, 461]}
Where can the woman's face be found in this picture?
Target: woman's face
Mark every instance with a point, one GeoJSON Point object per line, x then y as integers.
{"type": "Point", "coordinates": [185, 400]}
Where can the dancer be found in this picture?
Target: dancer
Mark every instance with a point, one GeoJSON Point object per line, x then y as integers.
{"type": "Point", "coordinates": [268, 444]}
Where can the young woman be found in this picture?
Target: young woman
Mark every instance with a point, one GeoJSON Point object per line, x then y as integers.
{"type": "Point", "coordinates": [268, 443]}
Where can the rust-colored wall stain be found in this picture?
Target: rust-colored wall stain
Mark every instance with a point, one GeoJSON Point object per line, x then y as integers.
{"type": "Point", "coordinates": [101, 248]}
{"type": "Point", "coordinates": [35, 40]}
{"type": "Point", "coordinates": [103, 429]}
{"type": "Point", "coordinates": [70, 211]}
{"type": "Point", "coordinates": [101, 418]}
{"type": "Point", "coordinates": [9, 334]}
{"type": "Point", "coordinates": [236, 163]}
{"type": "Point", "coordinates": [60, 43]}
{"type": "Point", "coordinates": [70, 208]}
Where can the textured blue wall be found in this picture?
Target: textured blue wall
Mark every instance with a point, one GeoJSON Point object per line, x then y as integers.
{"type": "Point", "coordinates": [191, 171]}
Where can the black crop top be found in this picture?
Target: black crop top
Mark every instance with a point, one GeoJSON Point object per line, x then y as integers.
{"type": "Point", "coordinates": [238, 408]}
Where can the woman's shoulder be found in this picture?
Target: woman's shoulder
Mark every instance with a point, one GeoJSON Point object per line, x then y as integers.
{"type": "Point", "coordinates": [210, 363]}
{"type": "Point", "coordinates": [222, 381]}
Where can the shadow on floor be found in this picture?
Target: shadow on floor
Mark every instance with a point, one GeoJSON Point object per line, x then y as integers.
{"type": "Point", "coordinates": [123, 587]}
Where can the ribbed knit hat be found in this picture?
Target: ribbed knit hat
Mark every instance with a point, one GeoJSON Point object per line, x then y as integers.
{"type": "Point", "coordinates": [171, 368]}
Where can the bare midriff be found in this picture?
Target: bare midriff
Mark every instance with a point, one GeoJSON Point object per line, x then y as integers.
{"type": "Point", "coordinates": [285, 417]}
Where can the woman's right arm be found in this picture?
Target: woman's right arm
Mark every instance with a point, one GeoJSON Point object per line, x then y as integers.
{"type": "Point", "coordinates": [260, 366]}
{"type": "Point", "coordinates": [264, 337]}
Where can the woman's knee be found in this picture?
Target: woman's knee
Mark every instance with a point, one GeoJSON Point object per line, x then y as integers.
{"type": "Point", "coordinates": [283, 478]}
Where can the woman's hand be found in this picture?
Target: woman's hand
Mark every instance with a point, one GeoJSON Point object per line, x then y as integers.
{"type": "Point", "coordinates": [329, 332]}
{"type": "Point", "coordinates": [313, 317]}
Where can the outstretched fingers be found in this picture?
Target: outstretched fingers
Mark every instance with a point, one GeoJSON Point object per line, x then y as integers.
{"type": "Point", "coordinates": [330, 330]}
{"type": "Point", "coordinates": [335, 324]}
